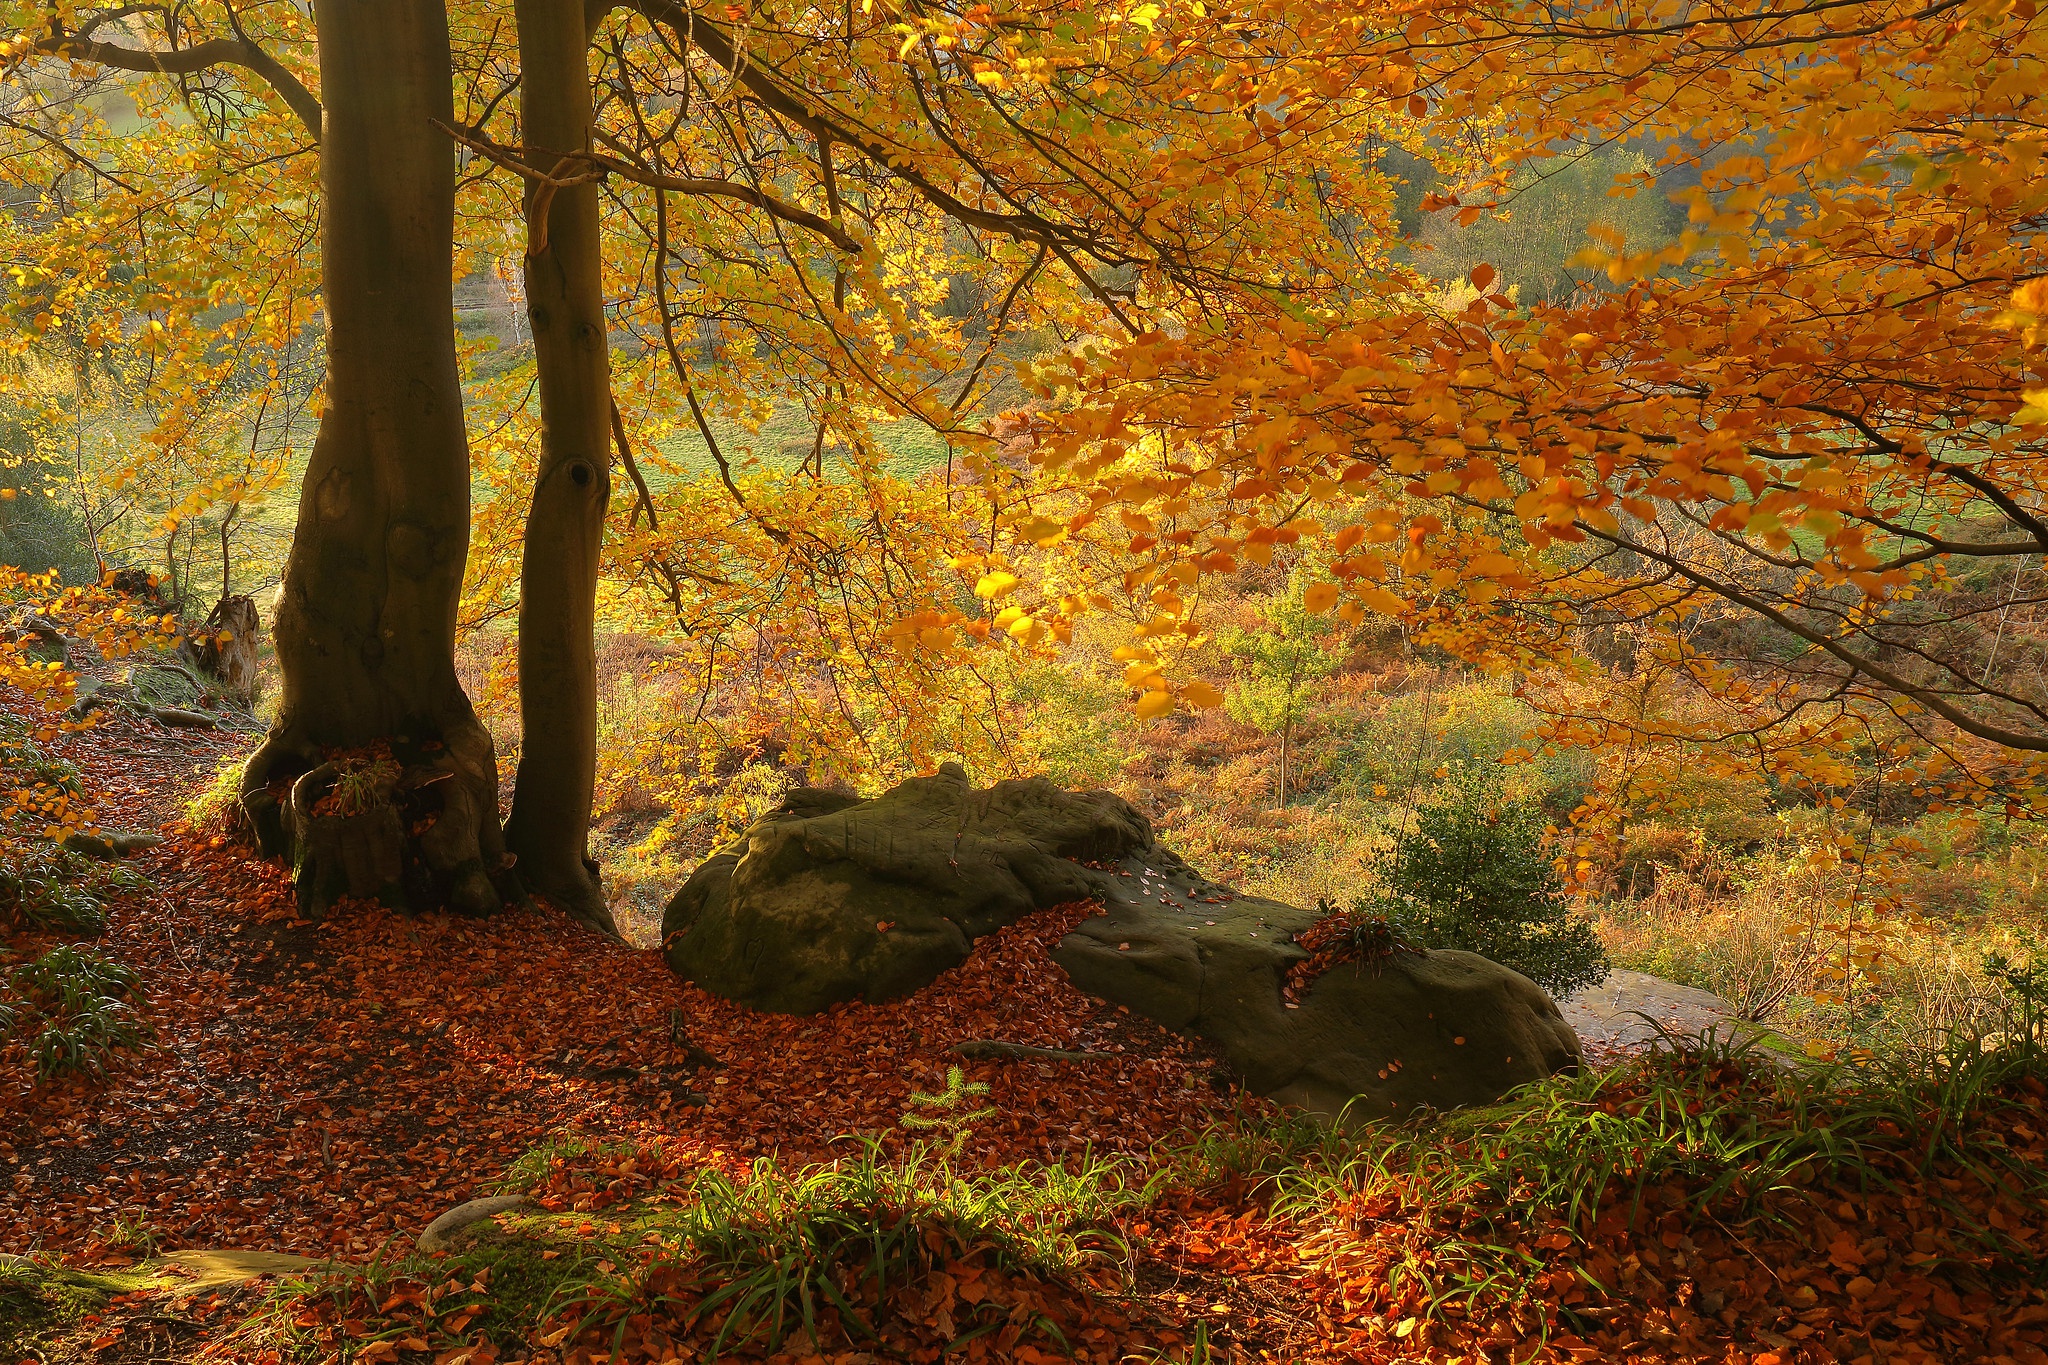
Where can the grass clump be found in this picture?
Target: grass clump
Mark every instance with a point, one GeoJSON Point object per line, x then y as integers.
{"type": "Point", "coordinates": [653, 1254]}
{"type": "Point", "coordinates": [1542, 1209]}
{"type": "Point", "coordinates": [47, 888]}
{"type": "Point", "coordinates": [73, 1010]}
{"type": "Point", "coordinates": [216, 808]}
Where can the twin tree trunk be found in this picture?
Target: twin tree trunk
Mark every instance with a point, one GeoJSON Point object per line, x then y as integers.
{"type": "Point", "coordinates": [365, 626]}
{"type": "Point", "coordinates": [366, 623]}
{"type": "Point", "coordinates": [551, 805]}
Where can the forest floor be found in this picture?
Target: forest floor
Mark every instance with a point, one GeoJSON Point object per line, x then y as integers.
{"type": "Point", "coordinates": [327, 1090]}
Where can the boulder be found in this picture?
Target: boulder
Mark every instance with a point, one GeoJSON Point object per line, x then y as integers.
{"type": "Point", "coordinates": [39, 638]}
{"type": "Point", "coordinates": [1379, 1039]}
{"type": "Point", "coordinates": [830, 898]}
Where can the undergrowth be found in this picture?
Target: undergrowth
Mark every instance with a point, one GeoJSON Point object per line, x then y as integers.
{"type": "Point", "coordinates": [72, 1010]}
{"type": "Point", "coordinates": [216, 808]}
{"type": "Point", "coordinates": [855, 1251]}
{"type": "Point", "coordinates": [40, 1299]}
{"type": "Point", "coordinates": [1713, 1132]}
{"type": "Point", "coordinates": [47, 888]}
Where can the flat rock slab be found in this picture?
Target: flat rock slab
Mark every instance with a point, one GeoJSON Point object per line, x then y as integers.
{"type": "Point", "coordinates": [1415, 1030]}
{"type": "Point", "coordinates": [201, 1270]}
{"type": "Point", "coordinates": [1609, 1018]}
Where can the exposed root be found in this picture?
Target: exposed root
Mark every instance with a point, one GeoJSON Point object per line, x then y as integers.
{"type": "Point", "coordinates": [410, 821]}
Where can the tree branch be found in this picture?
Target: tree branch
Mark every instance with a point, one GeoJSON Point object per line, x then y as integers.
{"type": "Point", "coordinates": [601, 165]}
{"type": "Point", "coordinates": [1857, 663]}
{"type": "Point", "coordinates": [182, 61]}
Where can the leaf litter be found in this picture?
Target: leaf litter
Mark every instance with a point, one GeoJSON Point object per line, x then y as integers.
{"type": "Point", "coordinates": [329, 1089]}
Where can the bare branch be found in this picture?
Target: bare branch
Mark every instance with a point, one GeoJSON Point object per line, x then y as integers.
{"type": "Point", "coordinates": [241, 51]}
{"type": "Point", "coordinates": [600, 165]}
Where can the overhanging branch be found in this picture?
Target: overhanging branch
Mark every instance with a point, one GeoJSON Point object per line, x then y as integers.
{"type": "Point", "coordinates": [598, 165]}
{"type": "Point", "coordinates": [184, 61]}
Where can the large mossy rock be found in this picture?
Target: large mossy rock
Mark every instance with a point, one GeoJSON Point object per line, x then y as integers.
{"type": "Point", "coordinates": [1376, 1040]}
{"type": "Point", "coordinates": [830, 898]}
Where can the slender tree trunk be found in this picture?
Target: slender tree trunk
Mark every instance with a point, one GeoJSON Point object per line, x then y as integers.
{"type": "Point", "coordinates": [550, 825]}
{"type": "Point", "coordinates": [1286, 739]}
{"type": "Point", "coordinates": [365, 626]}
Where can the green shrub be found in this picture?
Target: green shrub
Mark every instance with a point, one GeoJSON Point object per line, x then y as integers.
{"type": "Point", "coordinates": [74, 1009]}
{"type": "Point", "coordinates": [1470, 871]}
{"type": "Point", "coordinates": [953, 1111]}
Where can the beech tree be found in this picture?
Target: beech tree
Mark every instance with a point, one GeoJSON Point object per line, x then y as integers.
{"type": "Point", "coordinates": [365, 625]}
{"type": "Point", "coordinates": [1783, 448]}
{"type": "Point", "coordinates": [1794, 449]}
{"type": "Point", "coordinates": [983, 142]}
{"type": "Point", "coordinates": [564, 526]}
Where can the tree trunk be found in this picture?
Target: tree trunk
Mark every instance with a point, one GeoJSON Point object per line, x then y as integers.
{"type": "Point", "coordinates": [1286, 738]}
{"type": "Point", "coordinates": [550, 825]}
{"type": "Point", "coordinates": [365, 626]}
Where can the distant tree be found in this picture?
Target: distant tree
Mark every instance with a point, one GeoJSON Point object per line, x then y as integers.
{"type": "Point", "coordinates": [1281, 658]}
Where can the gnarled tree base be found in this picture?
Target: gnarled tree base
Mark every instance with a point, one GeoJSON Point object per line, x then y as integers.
{"type": "Point", "coordinates": [424, 836]}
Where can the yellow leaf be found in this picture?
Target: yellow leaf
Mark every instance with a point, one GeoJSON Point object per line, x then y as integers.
{"type": "Point", "coordinates": [994, 585]}
{"type": "Point", "coordinates": [1040, 531]}
{"type": "Point", "coordinates": [1320, 597]}
{"type": "Point", "coordinates": [1199, 693]}
{"type": "Point", "coordinates": [1492, 565]}
{"type": "Point", "coordinates": [1154, 703]}
{"type": "Point", "coordinates": [1382, 601]}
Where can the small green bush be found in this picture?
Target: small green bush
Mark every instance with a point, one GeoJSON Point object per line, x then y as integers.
{"type": "Point", "coordinates": [74, 1008]}
{"type": "Point", "coordinates": [1471, 871]}
{"type": "Point", "coordinates": [953, 1111]}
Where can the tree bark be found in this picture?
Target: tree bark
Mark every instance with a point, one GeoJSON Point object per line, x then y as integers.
{"type": "Point", "coordinates": [365, 626]}
{"type": "Point", "coordinates": [550, 825]}
{"type": "Point", "coordinates": [1286, 740]}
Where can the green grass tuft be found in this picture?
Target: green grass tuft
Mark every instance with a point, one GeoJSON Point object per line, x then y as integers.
{"type": "Point", "coordinates": [74, 1009]}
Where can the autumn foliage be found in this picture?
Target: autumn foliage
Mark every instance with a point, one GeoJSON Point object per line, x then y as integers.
{"type": "Point", "coordinates": [945, 345]}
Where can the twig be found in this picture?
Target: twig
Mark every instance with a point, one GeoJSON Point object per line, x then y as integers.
{"type": "Point", "coordinates": [989, 1049]}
